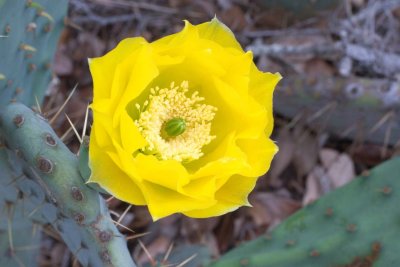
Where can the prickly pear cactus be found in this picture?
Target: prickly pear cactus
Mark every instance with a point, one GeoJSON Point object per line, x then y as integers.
{"type": "Point", "coordinates": [356, 225]}
{"type": "Point", "coordinates": [78, 212]}
{"type": "Point", "coordinates": [30, 31]}
{"type": "Point", "coordinates": [357, 108]}
{"type": "Point", "coordinates": [34, 189]}
{"type": "Point", "coordinates": [19, 203]}
{"type": "Point", "coordinates": [16, 237]}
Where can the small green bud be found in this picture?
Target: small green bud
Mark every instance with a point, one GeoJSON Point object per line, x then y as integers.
{"type": "Point", "coordinates": [175, 127]}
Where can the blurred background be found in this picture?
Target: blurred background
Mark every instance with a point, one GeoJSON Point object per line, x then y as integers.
{"type": "Point", "coordinates": [336, 110]}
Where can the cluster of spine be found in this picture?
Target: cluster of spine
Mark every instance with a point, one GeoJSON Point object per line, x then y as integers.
{"type": "Point", "coordinates": [356, 225]}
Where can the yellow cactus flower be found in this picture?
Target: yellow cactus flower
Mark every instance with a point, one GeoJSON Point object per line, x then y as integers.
{"type": "Point", "coordinates": [181, 124]}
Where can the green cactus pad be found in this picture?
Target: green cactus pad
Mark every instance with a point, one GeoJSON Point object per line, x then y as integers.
{"type": "Point", "coordinates": [78, 212]}
{"type": "Point", "coordinates": [31, 30]}
{"type": "Point", "coordinates": [19, 237]}
{"type": "Point", "coordinates": [356, 224]}
{"type": "Point", "coordinates": [357, 108]}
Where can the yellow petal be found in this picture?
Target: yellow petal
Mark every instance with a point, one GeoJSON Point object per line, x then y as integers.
{"type": "Point", "coordinates": [232, 195]}
{"type": "Point", "coordinates": [112, 178]}
{"type": "Point", "coordinates": [162, 201]}
{"type": "Point", "coordinates": [125, 161]}
{"type": "Point", "coordinates": [201, 188]}
{"type": "Point", "coordinates": [226, 159]}
{"type": "Point", "coordinates": [140, 70]}
{"type": "Point", "coordinates": [131, 138]}
{"type": "Point", "coordinates": [103, 68]}
{"type": "Point", "coordinates": [220, 208]}
{"type": "Point", "coordinates": [259, 155]}
{"type": "Point", "coordinates": [177, 44]}
{"type": "Point", "coordinates": [237, 189]}
{"type": "Point", "coordinates": [262, 88]}
{"type": "Point", "coordinates": [246, 116]}
{"type": "Point", "coordinates": [219, 33]}
{"type": "Point", "coordinates": [167, 173]}
{"type": "Point", "coordinates": [238, 70]}
{"type": "Point", "coordinates": [100, 134]}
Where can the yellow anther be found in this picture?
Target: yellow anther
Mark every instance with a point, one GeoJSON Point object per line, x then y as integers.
{"type": "Point", "coordinates": [164, 106]}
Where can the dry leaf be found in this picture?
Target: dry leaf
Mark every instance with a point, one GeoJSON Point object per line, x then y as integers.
{"type": "Point", "coordinates": [88, 45]}
{"type": "Point", "coordinates": [285, 155]}
{"type": "Point", "coordinates": [341, 171]}
{"type": "Point", "coordinates": [317, 184]}
{"type": "Point", "coordinates": [318, 67]}
{"type": "Point", "coordinates": [62, 62]}
{"type": "Point", "coordinates": [271, 208]}
{"type": "Point", "coordinates": [328, 156]}
{"type": "Point", "coordinates": [234, 18]}
{"type": "Point", "coordinates": [306, 153]}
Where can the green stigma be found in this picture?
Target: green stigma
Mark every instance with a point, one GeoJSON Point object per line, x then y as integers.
{"type": "Point", "coordinates": [175, 127]}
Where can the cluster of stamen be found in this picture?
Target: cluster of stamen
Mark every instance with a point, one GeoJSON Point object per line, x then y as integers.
{"type": "Point", "coordinates": [166, 105]}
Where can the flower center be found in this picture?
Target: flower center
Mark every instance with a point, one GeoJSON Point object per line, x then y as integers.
{"type": "Point", "coordinates": [175, 126]}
